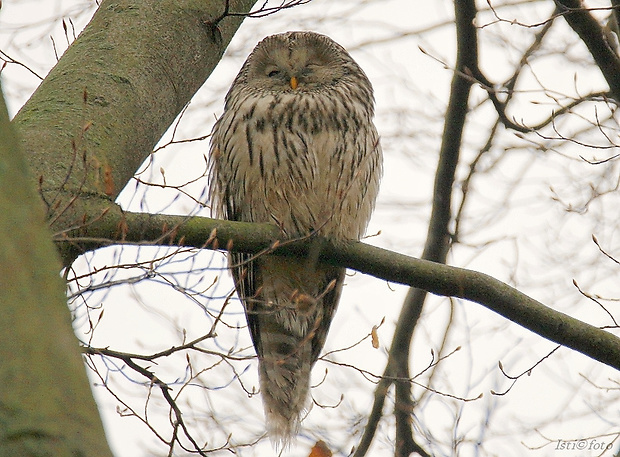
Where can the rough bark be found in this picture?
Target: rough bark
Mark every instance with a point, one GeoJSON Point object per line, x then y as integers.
{"type": "Point", "coordinates": [84, 132]}
{"type": "Point", "coordinates": [46, 406]}
{"type": "Point", "coordinates": [97, 115]}
{"type": "Point", "coordinates": [437, 278]}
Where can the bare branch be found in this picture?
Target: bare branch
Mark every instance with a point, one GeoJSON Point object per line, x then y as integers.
{"type": "Point", "coordinates": [593, 36]}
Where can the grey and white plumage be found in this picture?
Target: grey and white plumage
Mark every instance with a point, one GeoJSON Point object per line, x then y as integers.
{"type": "Point", "coordinates": [295, 146]}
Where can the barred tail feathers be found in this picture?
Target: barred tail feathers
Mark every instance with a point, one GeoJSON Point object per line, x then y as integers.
{"type": "Point", "coordinates": [285, 383]}
{"type": "Point", "coordinates": [289, 319]}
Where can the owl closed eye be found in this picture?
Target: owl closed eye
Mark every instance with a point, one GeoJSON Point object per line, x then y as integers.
{"type": "Point", "coordinates": [276, 62]}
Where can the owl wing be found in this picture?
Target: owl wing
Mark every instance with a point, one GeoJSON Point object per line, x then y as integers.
{"type": "Point", "coordinates": [329, 303]}
{"type": "Point", "coordinates": [246, 274]}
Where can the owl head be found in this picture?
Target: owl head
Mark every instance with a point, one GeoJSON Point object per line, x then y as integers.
{"type": "Point", "coordinates": [299, 62]}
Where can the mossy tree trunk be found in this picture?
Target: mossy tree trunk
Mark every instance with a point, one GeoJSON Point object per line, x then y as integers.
{"type": "Point", "coordinates": [83, 133]}
{"type": "Point", "coordinates": [97, 115]}
{"type": "Point", "coordinates": [46, 406]}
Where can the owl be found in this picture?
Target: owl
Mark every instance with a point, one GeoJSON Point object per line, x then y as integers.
{"type": "Point", "coordinates": [296, 147]}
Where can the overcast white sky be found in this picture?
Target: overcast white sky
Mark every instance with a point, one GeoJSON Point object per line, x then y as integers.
{"type": "Point", "coordinates": [517, 230]}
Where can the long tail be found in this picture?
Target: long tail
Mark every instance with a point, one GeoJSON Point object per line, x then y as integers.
{"type": "Point", "coordinates": [288, 315]}
{"type": "Point", "coordinates": [285, 381]}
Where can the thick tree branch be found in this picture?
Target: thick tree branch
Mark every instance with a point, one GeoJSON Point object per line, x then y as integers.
{"type": "Point", "coordinates": [593, 36]}
{"type": "Point", "coordinates": [200, 232]}
{"type": "Point", "coordinates": [46, 406]}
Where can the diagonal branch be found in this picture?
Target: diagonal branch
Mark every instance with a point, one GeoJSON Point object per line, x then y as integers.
{"type": "Point", "coordinates": [438, 237]}
{"type": "Point", "coordinates": [593, 36]}
{"type": "Point", "coordinates": [434, 277]}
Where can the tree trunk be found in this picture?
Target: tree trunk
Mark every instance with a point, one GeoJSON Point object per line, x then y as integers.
{"type": "Point", "coordinates": [46, 406]}
{"type": "Point", "coordinates": [84, 132]}
{"type": "Point", "coordinates": [97, 115]}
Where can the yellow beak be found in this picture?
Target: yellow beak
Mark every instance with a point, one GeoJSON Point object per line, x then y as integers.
{"type": "Point", "coordinates": [294, 83]}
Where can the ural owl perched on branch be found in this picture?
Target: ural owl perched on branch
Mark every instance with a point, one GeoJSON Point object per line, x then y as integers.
{"type": "Point", "coordinates": [295, 146]}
